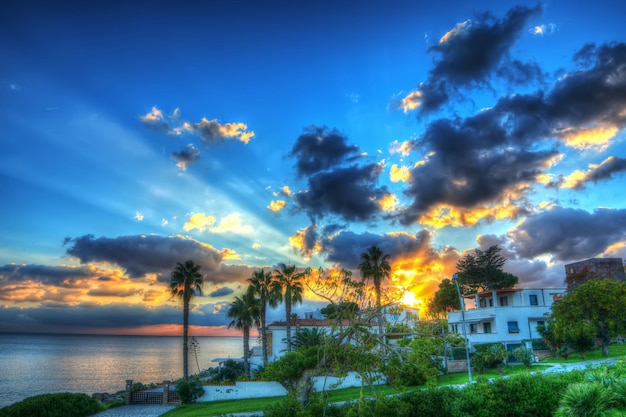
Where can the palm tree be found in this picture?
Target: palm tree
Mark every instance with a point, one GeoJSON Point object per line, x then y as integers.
{"type": "Point", "coordinates": [245, 312]}
{"type": "Point", "coordinates": [375, 265]}
{"type": "Point", "coordinates": [186, 282]}
{"type": "Point", "coordinates": [268, 289]}
{"type": "Point", "coordinates": [291, 283]}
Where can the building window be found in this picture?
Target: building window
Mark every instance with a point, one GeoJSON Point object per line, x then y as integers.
{"type": "Point", "coordinates": [541, 323]}
{"type": "Point", "coordinates": [473, 328]}
{"type": "Point", "coordinates": [454, 328]}
{"type": "Point", "coordinates": [486, 327]}
{"type": "Point", "coordinates": [513, 327]}
{"type": "Point", "coordinates": [533, 299]}
{"type": "Point", "coordinates": [504, 301]}
{"type": "Point", "coordinates": [483, 303]}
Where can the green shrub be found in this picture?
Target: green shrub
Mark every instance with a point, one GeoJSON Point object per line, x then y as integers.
{"type": "Point", "coordinates": [188, 391]}
{"type": "Point", "coordinates": [230, 371]}
{"type": "Point", "coordinates": [53, 405]}
{"type": "Point", "coordinates": [290, 367]}
{"type": "Point", "coordinates": [585, 400]}
{"type": "Point", "coordinates": [540, 344]}
{"type": "Point", "coordinates": [488, 355]}
{"type": "Point", "coordinates": [524, 355]}
{"type": "Point", "coordinates": [441, 402]}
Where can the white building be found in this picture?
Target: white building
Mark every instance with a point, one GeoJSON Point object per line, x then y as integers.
{"type": "Point", "coordinates": [277, 333]}
{"type": "Point", "coordinates": [508, 316]}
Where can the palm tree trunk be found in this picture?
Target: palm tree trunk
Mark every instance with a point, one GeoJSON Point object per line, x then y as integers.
{"type": "Point", "coordinates": [288, 322]}
{"type": "Point", "coordinates": [185, 346]}
{"type": "Point", "coordinates": [379, 312]}
{"type": "Point", "coordinates": [246, 350]}
{"type": "Point", "coordinates": [263, 332]}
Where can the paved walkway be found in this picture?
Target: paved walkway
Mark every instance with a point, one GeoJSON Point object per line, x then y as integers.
{"type": "Point", "coordinates": [138, 410]}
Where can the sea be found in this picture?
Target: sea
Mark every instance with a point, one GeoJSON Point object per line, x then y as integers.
{"type": "Point", "coordinates": [34, 364]}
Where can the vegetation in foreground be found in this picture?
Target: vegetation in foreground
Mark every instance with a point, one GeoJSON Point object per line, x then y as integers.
{"type": "Point", "coordinates": [54, 405]}
{"type": "Point", "coordinates": [597, 392]}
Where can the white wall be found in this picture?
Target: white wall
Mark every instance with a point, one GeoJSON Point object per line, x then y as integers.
{"type": "Point", "coordinates": [242, 390]}
{"type": "Point", "coordinates": [352, 379]}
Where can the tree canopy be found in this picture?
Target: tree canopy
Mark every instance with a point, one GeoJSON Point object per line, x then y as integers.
{"type": "Point", "coordinates": [599, 302]}
{"type": "Point", "coordinates": [445, 299]}
{"type": "Point", "coordinates": [482, 271]}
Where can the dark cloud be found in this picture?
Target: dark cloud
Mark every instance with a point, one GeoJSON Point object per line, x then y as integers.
{"type": "Point", "coordinates": [319, 149]}
{"type": "Point", "coordinates": [345, 248]}
{"type": "Point", "coordinates": [605, 171]}
{"type": "Point", "coordinates": [88, 317]}
{"type": "Point", "coordinates": [568, 234]}
{"type": "Point", "coordinates": [593, 94]}
{"type": "Point", "coordinates": [337, 184]}
{"type": "Point", "coordinates": [61, 276]}
{"type": "Point", "coordinates": [475, 161]}
{"type": "Point", "coordinates": [187, 155]}
{"type": "Point", "coordinates": [221, 292]}
{"type": "Point", "coordinates": [113, 292]}
{"type": "Point", "coordinates": [140, 255]}
{"type": "Point", "coordinates": [350, 193]}
{"type": "Point", "coordinates": [479, 159]}
{"type": "Point", "coordinates": [471, 52]}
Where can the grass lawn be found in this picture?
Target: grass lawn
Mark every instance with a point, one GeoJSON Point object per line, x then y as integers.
{"type": "Point", "coordinates": [217, 408]}
{"type": "Point", "coordinates": [615, 350]}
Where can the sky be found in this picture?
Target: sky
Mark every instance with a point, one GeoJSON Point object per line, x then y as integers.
{"type": "Point", "coordinates": [245, 134]}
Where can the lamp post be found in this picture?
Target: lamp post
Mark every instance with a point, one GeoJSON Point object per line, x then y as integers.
{"type": "Point", "coordinates": [455, 278]}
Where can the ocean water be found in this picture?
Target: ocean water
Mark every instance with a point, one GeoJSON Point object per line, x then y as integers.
{"type": "Point", "coordinates": [33, 364]}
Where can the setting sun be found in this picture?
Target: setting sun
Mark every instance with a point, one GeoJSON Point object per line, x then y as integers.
{"type": "Point", "coordinates": [410, 300]}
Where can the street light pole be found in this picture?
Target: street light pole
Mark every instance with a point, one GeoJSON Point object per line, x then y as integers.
{"type": "Point", "coordinates": [455, 278]}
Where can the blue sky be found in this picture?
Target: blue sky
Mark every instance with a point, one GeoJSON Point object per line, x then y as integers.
{"type": "Point", "coordinates": [245, 134]}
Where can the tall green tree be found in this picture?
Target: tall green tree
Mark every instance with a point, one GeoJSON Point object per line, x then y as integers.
{"type": "Point", "coordinates": [375, 265]}
{"type": "Point", "coordinates": [291, 282]}
{"type": "Point", "coordinates": [599, 302]}
{"type": "Point", "coordinates": [482, 271]}
{"type": "Point", "coordinates": [245, 312]}
{"type": "Point", "coordinates": [445, 299]}
{"type": "Point", "coordinates": [186, 282]}
{"type": "Point", "coordinates": [269, 291]}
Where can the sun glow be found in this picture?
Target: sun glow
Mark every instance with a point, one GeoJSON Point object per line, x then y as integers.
{"type": "Point", "coordinates": [410, 300]}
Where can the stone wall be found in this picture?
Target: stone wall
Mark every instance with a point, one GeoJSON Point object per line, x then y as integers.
{"type": "Point", "coordinates": [457, 365]}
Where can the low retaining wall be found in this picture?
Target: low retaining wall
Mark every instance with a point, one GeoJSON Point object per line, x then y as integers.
{"type": "Point", "coordinates": [242, 390]}
{"type": "Point", "coordinates": [352, 379]}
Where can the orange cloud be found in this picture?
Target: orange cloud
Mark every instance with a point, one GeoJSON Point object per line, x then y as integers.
{"type": "Point", "coordinates": [199, 221]}
{"type": "Point", "coordinates": [403, 148]}
{"type": "Point", "coordinates": [388, 202]}
{"type": "Point", "coordinates": [583, 139]}
{"type": "Point", "coordinates": [276, 205]}
{"type": "Point", "coordinates": [412, 101]}
{"type": "Point", "coordinates": [458, 28]}
{"type": "Point", "coordinates": [399, 174]}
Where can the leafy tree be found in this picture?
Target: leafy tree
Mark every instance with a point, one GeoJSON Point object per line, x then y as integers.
{"type": "Point", "coordinates": [375, 264]}
{"type": "Point", "coordinates": [290, 280]}
{"type": "Point", "coordinates": [342, 310]}
{"type": "Point", "coordinates": [599, 302]}
{"type": "Point", "coordinates": [268, 289]}
{"type": "Point", "coordinates": [581, 337]}
{"type": "Point", "coordinates": [245, 312]}
{"type": "Point", "coordinates": [445, 299]}
{"type": "Point", "coordinates": [482, 271]}
{"type": "Point", "coordinates": [308, 338]}
{"type": "Point", "coordinates": [186, 281]}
